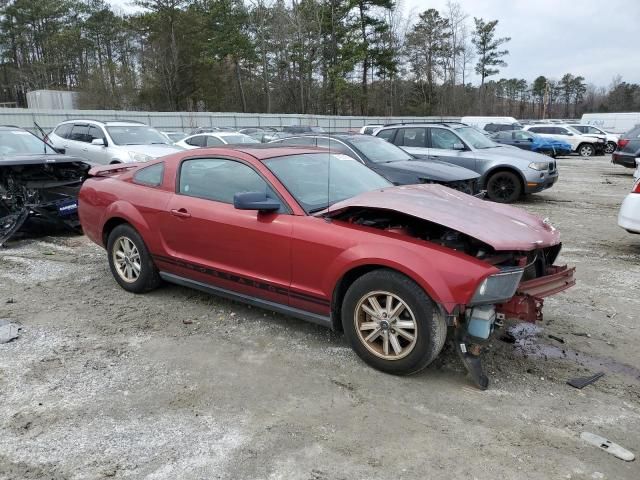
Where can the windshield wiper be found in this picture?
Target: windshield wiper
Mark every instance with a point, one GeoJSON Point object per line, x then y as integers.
{"type": "Point", "coordinates": [318, 209]}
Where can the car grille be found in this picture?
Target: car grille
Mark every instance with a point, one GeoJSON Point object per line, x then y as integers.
{"type": "Point", "coordinates": [552, 167]}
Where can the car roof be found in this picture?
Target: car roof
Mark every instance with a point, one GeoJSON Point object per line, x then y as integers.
{"type": "Point", "coordinates": [265, 151]}
{"type": "Point", "coordinates": [111, 123]}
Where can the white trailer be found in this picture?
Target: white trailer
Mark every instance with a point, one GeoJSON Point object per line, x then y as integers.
{"type": "Point", "coordinates": [612, 122]}
{"type": "Point", "coordinates": [52, 100]}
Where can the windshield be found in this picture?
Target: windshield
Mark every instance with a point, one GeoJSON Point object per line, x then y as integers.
{"type": "Point", "coordinates": [573, 130]}
{"type": "Point", "coordinates": [474, 138]}
{"type": "Point", "coordinates": [240, 138]}
{"type": "Point", "coordinates": [317, 180]}
{"type": "Point", "coordinates": [21, 142]}
{"type": "Point", "coordinates": [523, 135]}
{"type": "Point", "coordinates": [175, 136]}
{"type": "Point", "coordinates": [136, 135]}
{"type": "Point", "coordinates": [378, 150]}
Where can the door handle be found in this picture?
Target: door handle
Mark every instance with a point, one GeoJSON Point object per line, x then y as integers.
{"type": "Point", "coordinates": [182, 213]}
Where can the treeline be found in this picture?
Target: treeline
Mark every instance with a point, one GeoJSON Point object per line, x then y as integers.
{"type": "Point", "coordinates": [347, 57]}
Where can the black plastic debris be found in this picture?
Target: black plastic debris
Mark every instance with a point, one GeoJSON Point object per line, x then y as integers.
{"type": "Point", "coordinates": [581, 382]}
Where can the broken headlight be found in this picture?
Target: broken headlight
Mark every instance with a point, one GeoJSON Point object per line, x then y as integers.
{"type": "Point", "coordinates": [499, 287]}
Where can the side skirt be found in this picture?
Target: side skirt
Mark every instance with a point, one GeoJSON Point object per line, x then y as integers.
{"type": "Point", "coordinates": [256, 302]}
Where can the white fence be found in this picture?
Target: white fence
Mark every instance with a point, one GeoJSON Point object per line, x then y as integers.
{"type": "Point", "coordinates": [186, 121]}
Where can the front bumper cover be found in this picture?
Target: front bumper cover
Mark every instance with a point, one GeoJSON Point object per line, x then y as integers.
{"type": "Point", "coordinates": [526, 305]}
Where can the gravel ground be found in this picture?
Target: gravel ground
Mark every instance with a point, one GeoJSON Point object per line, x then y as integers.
{"type": "Point", "coordinates": [102, 383]}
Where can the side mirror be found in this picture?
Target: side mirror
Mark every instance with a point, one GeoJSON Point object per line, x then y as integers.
{"type": "Point", "coordinates": [255, 201]}
{"type": "Point", "coordinates": [530, 139]}
{"type": "Point", "coordinates": [458, 146]}
{"type": "Point", "coordinates": [61, 151]}
{"type": "Point", "coordinates": [97, 141]}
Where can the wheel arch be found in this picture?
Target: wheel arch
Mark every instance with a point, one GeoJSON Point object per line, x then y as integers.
{"type": "Point", "coordinates": [123, 212]}
{"type": "Point", "coordinates": [505, 168]}
{"type": "Point", "coordinates": [445, 289]}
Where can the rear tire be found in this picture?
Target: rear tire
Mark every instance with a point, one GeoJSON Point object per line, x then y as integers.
{"type": "Point", "coordinates": [400, 331]}
{"type": "Point", "coordinates": [130, 262]}
{"type": "Point", "coordinates": [586, 150]}
{"type": "Point", "coordinates": [504, 187]}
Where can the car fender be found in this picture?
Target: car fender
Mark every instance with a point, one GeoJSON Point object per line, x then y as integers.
{"type": "Point", "coordinates": [450, 278]}
{"type": "Point", "coordinates": [502, 166]}
{"type": "Point", "coordinates": [129, 213]}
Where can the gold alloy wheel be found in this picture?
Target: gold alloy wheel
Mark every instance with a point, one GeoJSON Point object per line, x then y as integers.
{"type": "Point", "coordinates": [126, 259]}
{"type": "Point", "coordinates": [386, 325]}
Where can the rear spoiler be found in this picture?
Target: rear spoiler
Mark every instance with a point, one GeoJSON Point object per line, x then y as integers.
{"type": "Point", "coordinates": [110, 170]}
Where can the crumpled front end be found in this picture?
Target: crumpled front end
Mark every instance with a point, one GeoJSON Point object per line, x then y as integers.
{"type": "Point", "coordinates": [45, 190]}
{"type": "Point", "coordinates": [526, 305]}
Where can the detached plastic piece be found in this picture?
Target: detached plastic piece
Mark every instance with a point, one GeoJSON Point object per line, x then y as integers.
{"type": "Point", "coordinates": [8, 331]}
{"type": "Point", "coordinates": [608, 446]}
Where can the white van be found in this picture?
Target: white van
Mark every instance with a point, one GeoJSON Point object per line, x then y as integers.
{"type": "Point", "coordinates": [612, 122]}
{"type": "Point", "coordinates": [482, 122]}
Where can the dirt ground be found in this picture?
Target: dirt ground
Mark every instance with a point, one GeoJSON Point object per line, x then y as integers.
{"type": "Point", "coordinates": [102, 383]}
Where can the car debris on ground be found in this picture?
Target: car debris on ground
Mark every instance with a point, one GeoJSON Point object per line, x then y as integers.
{"type": "Point", "coordinates": [581, 382]}
{"type": "Point", "coordinates": [8, 331]}
{"type": "Point", "coordinates": [608, 446]}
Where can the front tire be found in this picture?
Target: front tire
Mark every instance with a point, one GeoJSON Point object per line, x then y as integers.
{"type": "Point", "coordinates": [504, 187]}
{"type": "Point", "coordinates": [391, 323]}
{"type": "Point", "coordinates": [130, 262]}
{"type": "Point", "coordinates": [586, 150]}
{"type": "Point", "coordinates": [610, 148]}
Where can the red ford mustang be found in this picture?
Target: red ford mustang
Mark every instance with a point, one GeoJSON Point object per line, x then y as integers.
{"type": "Point", "coordinates": [319, 236]}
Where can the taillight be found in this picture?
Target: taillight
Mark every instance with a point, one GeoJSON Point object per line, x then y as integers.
{"type": "Point", "coordinates": [636, 187]}
{"type": "Point", "coordinates": [622, 143]}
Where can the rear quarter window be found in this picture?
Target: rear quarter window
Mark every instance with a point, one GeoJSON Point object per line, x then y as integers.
{"type": "Point", "coordinates": [150, 176]}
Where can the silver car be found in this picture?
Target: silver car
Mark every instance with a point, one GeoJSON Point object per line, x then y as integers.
{"type": "Point", "coordinates": [506, 172]}
{"type": "Point", "coordinates": [111, 142]}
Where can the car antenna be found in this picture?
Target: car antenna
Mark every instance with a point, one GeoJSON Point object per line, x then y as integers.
{"type": "Point", "coordinates": [329, 170]}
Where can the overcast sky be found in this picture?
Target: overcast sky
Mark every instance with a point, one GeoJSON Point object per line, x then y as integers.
{"type": "Point", "coordinates": [597, 39]}
{"type": "Point", "coordinates": [593, 38]}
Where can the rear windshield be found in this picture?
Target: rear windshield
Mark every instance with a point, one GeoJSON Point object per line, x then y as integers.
{"type": "Point", "coordinates": [21, 142]}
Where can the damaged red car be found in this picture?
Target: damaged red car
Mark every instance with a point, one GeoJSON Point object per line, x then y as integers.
{"type": "Point", "coordinates": [319, 236]}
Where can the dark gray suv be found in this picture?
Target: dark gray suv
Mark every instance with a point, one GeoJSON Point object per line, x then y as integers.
{"type": "Point", "coordinates": [506, 172]}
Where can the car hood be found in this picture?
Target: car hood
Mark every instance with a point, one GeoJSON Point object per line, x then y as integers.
{"type": "Point", "coordinates": [505, 151]}
{"type": "Point", "coordinates": [154, 151]}
{"type": "Point", "coordinates": [37, 158]}
{"type": "Point", "coordinates": [501, 226]}
{"type": "Point", "coordinates": [429, 169]}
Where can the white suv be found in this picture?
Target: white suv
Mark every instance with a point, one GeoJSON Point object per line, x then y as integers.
{"type": "Point", "coordinates": [585, 146]}
{"type": "Point", "coordinates": [111, 142]}
{"type": "Point", "coordinates": [591, 131]}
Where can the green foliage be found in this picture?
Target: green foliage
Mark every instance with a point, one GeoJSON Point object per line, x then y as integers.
{"type": "Point", "coordinates": [488, 48]}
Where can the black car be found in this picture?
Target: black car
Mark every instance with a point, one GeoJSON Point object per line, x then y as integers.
{"type": "Point", "coordinates": [36, 181]}
{"type": "Point", "coordinates": [628, 149]}
{"type": "Point", "coordinates": [391, 162]}
{"type": "Point", "coordinates": [502, 127]}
